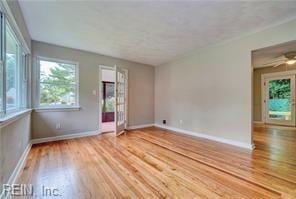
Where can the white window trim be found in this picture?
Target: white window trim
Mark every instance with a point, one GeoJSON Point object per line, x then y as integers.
{"type": "Point", "coordinates": [22, 49]}
{"type": "Point", "coordinates": [10, 17]}
{"type": "Point", "coordinates": [60, 109]}
{"type": "Point", "coordinates": [37, 106]}
{"type": "Point", "coordinates": [8, 119]}
{"type": "Point", "coordinates": [14, 114]}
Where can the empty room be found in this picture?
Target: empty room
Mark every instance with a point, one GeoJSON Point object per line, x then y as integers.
{"type": "Point", "coordinates": [147, 99]}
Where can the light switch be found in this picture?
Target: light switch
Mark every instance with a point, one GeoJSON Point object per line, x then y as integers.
{"type": "Point", "coordinates": [94, 92]}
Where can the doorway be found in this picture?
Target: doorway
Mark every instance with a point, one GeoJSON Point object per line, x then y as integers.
{"type": "Point", "coordinates": [279, 98]}
{"type": "Point", "coordinates": [273, 93]}
{"type": "Point", "coordinates": [113, 99]}
{"type": "Point", "coordinates": [108, 100]}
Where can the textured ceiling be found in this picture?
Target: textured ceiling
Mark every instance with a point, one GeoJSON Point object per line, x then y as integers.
{"type": "Point", "coordinates": [148, 32]}
{"type": "Point", "coordinates": [265, 55]}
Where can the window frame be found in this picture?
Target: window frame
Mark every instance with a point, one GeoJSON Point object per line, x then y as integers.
{"type": "Point", "coordinates": [22, 95]}
{"type": "Point", "coordinates": [37, 95]}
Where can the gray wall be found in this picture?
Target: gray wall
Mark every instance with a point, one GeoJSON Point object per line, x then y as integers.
{"type": "Point", "coordinates": [140, 92]}
{"type": "Point", "coordinates": [210, 89]}
{"type": "Point", "coordinates": [14, 139]}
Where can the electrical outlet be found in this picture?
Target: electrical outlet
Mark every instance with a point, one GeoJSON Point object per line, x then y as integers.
{"type": "Point", "coordinates": [94, 92]}
{"type": "Point", "coordinates": [181, 121]}
{"type": "Point", "coordinates": [164, 121]}
{"type": "Point", "coordinates": [58, 125]}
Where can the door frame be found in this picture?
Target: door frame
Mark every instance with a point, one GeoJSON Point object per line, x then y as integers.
{"type": "Point", "coordinates": [101, 67]}
{"type": "Point", "coordinates": [263, 92]}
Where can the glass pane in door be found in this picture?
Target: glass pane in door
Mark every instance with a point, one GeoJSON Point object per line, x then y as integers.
{"type": "Point", "coordinates": [279, 91]}
{"type": "Point", "coordinates": [108, 102]}
{"type": "Point", "coordinates": [110, 97]}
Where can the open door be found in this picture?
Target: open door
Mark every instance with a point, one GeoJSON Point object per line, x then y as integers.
{"type": "Point", "coordinates": [120, 95]}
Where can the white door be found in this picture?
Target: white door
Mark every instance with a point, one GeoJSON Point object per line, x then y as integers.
{"type": "Point", "coordinates": [280, 100]}
{"type": "Point", "coordinates": [120, 95]}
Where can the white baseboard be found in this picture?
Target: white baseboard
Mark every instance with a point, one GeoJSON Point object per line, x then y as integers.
{"type": "Point", "coordinates": [210, 137]}
{"type": "Point", "coordinates": [17, 169]}
{"type": "Point", "coordinates": [258, 122]}
{"type": "Point", "coordinates": [19, 165]}
{"type": "Point", "coordinates": [64, 137]}
{"type": "Point", "coordinates": [139, 126]}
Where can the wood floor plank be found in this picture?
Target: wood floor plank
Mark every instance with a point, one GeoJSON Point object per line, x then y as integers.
{"type": "Point", "coordinates": [157, 163]}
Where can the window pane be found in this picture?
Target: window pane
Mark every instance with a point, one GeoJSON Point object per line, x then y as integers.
{"type": "Point", "coordinates": [1, 90]}
{"type": "Point", "coordinates": [57, 84]}
{"type": "Point", "coordinates": [11, 70]}
{"type": "Point", "coordinates": [110, 99]}
{"type": "Point", "coordinates": [2, 57]}
{"type": "Point", "coordinates": [280, 99]}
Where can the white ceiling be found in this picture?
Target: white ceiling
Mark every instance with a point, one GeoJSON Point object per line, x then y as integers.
{"type": "Point", "coordinates": [265, 55]}
{"type": "Point", "coordinates": [151, 32]}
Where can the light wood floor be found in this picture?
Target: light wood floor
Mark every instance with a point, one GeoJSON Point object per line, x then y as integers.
{"type": "Point", "coordinates": [154, 163]}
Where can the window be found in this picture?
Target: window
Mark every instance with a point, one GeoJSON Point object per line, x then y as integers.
{"type": "Point", "coordinates": [58, 83]}
{"type": "Point", "coordinates": [2, 55]}
{"type": "Point", "coordinates": [13, 70]}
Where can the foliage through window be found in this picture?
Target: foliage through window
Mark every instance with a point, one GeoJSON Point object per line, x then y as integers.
{"type": "Point", "coordinates": [58, 84]}
{"type": "Point", "coordinates": [280, 94]}
{"type": "Point", "coordinates": [280, 91]}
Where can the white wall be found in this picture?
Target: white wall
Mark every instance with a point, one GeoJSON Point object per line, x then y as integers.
{"type": "Point", "coordinates": [140, 92]}
{"type": "Point", "coordinates": [210, 89]}
{"type": "Point", "coordinates": [108, 75]}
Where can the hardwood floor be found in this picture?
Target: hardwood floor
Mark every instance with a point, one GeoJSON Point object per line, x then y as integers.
{"type": "Point", "coordinates": [155, 163]}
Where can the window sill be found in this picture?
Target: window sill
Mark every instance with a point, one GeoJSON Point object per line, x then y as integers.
{"type": "Point", "coordinates": [57, 109]}
{"type": "Point", "coordinates": [13, 117]}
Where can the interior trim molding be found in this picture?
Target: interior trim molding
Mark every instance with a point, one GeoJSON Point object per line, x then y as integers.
{"type": "Point", "coordinates": [210, 137]}
{"type": "Point", "coordinates": [20, 164]}
{"type": "Point", "coordinates": [65, 137]}
{"type": "Point", "coordinates": [258, 122]}
{"type": "Point", "coordinates": [139, 126]}
{"type": "Point", "coordinates": [18, 168]}
{"type": "Point", "coordinates": [56, 109]}
{"type": "Point", "coordinates": [13, 117]}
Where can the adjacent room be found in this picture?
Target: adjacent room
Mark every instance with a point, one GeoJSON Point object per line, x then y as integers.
{"type": "Point", "coordinates": [274, 100]}
{"type": "Point", "coordinates": [147, 99]}
{"type": "Point", "coordinates": [108, 100]}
